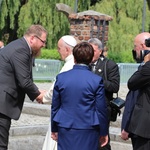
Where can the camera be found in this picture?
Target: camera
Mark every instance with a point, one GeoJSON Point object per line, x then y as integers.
{"type": "Point", "coordinates": [140, 59]}
{"type": "Point", "coordinates": [143, 53]}
{"type": "Point", "coordinates": [147, 42]}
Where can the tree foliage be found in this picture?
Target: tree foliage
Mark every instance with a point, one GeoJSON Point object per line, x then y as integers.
{"type": "Point", "coordinates": [17, 15]}
{"type": "Point", "coordinates": [126, 24]}
{"type": "Point", "coordinates": [9, 11]}
{"type": "Point", "coordinates": [36, 12]}
{"type": "Point", "coordinates": [43, 12]}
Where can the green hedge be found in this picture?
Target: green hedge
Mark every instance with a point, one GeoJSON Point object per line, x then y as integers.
{"type": "Point", "coordinates": [119, 57]}
{"type": "Point", "coordinates": [49, 54]}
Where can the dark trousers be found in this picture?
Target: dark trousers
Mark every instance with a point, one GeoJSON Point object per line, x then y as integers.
{"type": "Point", "coordinates": [107, 146]}
{"type": "Point", "coordinates": [139, 143]}
{"type": "Point", "coordinates": [5, 123]}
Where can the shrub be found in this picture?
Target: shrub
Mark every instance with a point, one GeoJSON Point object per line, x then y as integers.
{"type": "Point", "coordinates": [123, 56]}
{"type": "Point", "coordinates": [49, 54]}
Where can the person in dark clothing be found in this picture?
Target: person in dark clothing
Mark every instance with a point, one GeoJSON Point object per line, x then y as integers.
{"type": "Point", "coordinates": [136, 123]}
{"type": "Point", "coordinates": [109, 71]}
{"type": "Point", "coordinates": [16, 78]}
{"type": "Point", "coordinates": [129, 105]}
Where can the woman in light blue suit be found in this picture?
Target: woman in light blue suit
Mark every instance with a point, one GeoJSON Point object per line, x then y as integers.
{"type": "Point", "coordinates": [79, 113]}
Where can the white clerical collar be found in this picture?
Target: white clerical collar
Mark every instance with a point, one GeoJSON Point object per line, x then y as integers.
{"type": "Point", "coordinates": [68, 58]}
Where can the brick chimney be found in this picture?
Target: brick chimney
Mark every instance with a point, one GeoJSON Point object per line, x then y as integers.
{"type": "Point", "coordinates": [87, 24]}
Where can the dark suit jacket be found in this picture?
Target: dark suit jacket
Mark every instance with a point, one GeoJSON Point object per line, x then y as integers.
{"type": "Point", "coordinates": [128, 109]}
{"type": "Point", "coordinates": [16, 78]}
{"type": "Point", "coordinates": [111, 76]}
{"type": "Point", "coordinates": [140, 119]}
{"type": "Point", "coordinates": [109, 71]}
{"type": "Point", "coordinates": [78, 101]}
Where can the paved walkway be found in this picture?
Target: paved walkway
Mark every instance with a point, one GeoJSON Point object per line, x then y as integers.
{"type": "Point", "coordinates": [29, 119]}
{"type": "Point", "coordinates": [122, 92]}
{"type": "Point", "coordinates": [36, 116]}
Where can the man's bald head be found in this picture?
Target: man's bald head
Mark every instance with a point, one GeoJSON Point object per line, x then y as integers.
{"type": "Point", "coordinates": [140, 38]}
{"type": "Point", "coordinates": [139, 45]}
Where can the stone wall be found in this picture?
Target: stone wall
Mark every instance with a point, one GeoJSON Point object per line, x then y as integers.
{"type": "Point", "coordinates": [88, 24]}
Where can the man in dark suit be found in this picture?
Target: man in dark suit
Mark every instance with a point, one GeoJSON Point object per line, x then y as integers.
{"type": "Point", "coordinates": [16, 77]}
{"type": "Point", "coordinates": [129, 105]}
{"type": "Point", "coordinates": [109, 71]}
{"type": "Point", "coordinates": [136, 114]}
{"type": "Point", "coordinates": [79, 111]}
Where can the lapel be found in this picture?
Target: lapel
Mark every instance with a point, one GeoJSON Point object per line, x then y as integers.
{"type": "Point", "coordinates": [99, 69]}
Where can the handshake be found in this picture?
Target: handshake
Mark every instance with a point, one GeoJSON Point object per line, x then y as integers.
{"type": "Point", "coordinates": [39, 99]}
{"type": "Point", "coordinates": [45, 96]}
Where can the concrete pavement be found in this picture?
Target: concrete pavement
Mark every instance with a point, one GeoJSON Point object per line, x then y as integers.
{"type": "Point", "coordinates": [29, 131]}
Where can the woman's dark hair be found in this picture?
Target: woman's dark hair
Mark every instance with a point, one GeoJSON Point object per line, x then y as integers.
{"type": "Point", "coordinates": [83, 53]}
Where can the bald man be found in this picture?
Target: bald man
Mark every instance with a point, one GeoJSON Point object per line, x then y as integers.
{"type": "Point", "coordinates": [135, 121]}
{"type": "Point", "coordinates": [139, 45]}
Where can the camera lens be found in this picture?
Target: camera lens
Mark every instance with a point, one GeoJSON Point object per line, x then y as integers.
{"type": "Point", "coordinates": [147, 42]}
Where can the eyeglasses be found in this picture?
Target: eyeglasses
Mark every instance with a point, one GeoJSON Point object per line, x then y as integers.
{"type": "Point", "coordinates": [44, 42]}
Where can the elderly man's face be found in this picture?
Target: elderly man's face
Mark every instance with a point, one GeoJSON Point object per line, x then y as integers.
{"type": "Point", "coordinates": [97, 52]}
{"type": "Point", "coordinates": [137, 47]}
{"type": "Point", "coordinates": [62, 49]}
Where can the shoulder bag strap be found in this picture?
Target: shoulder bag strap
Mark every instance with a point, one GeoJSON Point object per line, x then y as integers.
{"type": "Point", "coordinates": [105, 73]}
{"type": "Point", "coordinates": [105, 69]}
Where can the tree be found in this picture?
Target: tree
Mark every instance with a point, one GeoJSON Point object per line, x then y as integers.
{"type": "Point", "coordinates": [126, 24]}
{"type": "Point", "coordinates": [17, 15]}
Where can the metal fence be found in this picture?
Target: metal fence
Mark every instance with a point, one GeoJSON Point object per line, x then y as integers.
{"type": "Point", "coordinates": [46, 70]}
{"type": "Point", "coordinates": [126, 70]}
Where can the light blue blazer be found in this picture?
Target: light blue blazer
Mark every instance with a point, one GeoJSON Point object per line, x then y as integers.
{"type": "Point", "coordinates": [79, 101]}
